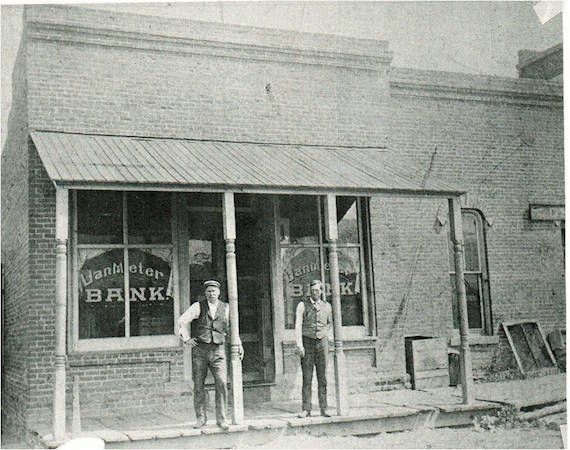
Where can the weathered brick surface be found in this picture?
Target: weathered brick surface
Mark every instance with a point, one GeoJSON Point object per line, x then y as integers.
{"type": "Point", "coordinates": [113, 88]}
{"type": "Point", "coordinates": [506, 153]}
{"type": "Point", "coordinates": [499, 139]}
{"type": "Point", "coordinates": [15, 254]}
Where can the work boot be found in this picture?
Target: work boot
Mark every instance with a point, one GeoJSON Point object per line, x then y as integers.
{"type": "Point", "coordinates": [324, 413]}
{"type": "Point", "coordinates": [303, 414]}
{"type": "Point", "coordinates": [200, 422]}
{"type": "Point", "coordinates": [224, 425]}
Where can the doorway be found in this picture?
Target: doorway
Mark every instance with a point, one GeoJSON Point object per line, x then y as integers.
{"type": "Point", "coordinates": [206, 248]}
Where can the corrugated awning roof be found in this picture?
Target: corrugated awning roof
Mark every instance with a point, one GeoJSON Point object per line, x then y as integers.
{"type": "Point", "coordinates": [95, 160]}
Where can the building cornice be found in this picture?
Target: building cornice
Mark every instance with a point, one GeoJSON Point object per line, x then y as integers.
{"type": "Point", "coordinates": [456, 86]}
{"type": "Point", "coordinates": [83, 26]}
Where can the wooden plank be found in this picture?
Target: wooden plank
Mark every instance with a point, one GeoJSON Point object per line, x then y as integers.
{"type": "Point", "coordinates": [511, 343]}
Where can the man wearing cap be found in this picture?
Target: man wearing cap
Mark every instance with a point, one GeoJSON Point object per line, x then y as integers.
{"type": "Point", "coordinates": [313, 320]}
{"type": "Point", "coordinates": [210, 326]}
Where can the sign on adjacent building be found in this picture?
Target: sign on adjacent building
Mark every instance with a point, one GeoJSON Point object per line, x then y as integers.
{"type": "Point", "coordinates": [546, 212]}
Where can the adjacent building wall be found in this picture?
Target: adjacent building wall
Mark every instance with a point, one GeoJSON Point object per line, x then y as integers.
{"type": "Point", "coordinates": [502, 141]}
{"type": "Point", "coordinates": [17, 320]}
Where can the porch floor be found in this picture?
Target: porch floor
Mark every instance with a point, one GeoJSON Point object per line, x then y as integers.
{"type": "Point", "coordinates": [370, 412]}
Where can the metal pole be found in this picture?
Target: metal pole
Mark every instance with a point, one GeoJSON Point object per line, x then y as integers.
{"type": "Point", "coordinates": [61, 237]}
{"type": "Point", "coordinates": [456, 227]}
{"type": "Point", "coordinates": [339, 360]}
{"type": "Point", "coordinates": [229, 222]}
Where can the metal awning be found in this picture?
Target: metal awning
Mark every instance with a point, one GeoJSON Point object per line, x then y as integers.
{"type": "Point", "coordinates": [97, 161]}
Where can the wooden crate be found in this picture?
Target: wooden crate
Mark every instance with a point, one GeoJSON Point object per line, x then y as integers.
{"type": "Point", "coordinates": [427, 361]}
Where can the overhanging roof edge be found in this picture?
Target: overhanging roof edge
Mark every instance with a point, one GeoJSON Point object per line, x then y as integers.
{"type": "Point", "coordinates": [85, 161]}
{"type": "Point", "coordinates": [273, 189]}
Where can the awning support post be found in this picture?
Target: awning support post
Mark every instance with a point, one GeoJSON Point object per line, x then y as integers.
{"type": "Point", "coordinates": [331, 232]}
{"type": "Point", "coordinates": [61, 239]}
{"type": "Point", "coordinates": [456, 227]}
{"type": "Point", "coordinates": [229, 223]}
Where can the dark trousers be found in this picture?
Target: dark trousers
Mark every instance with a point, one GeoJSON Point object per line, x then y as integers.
{"type": "Point", "coordinates": [212, 356]}
{"type": "Point", "coordinates": [316, 355]}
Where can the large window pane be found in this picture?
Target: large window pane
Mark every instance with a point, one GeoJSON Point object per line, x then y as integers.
{"type": "Point", "coordinates": [300, 266]}
{"type": "Point", "coordinates": [101, 293]}
{"type": "Point", "coordinates": [471, 242]}
{"type": "Point", "coordinates": [347, 220]}
{"type": "Point", "coordinates": [473, 295]}
{"type": "Point", "coordinates": [206, 249]}
{"type": "Point", "coordinates": [99, 217]}
{"type": "Point", "coordinates": [299, 219]}
{"type": "Point", "coordinates": [350, 285]}
{"type": "Point", "coordinates": [149, 217]}
{"type": "Point", "coordinates": [150, 292]}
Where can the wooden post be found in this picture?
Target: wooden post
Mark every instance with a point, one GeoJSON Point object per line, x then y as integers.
{"type": "Point", "coordinates": [229, 222]}
{"type": "Point", "coordinates": [456, 227]}
{"type": "Point", "coordinates": [181, 236]}
{"type": "Point", "coordinates": [61, 238]}
{"type": "Point", "coordinates": [339, 361]}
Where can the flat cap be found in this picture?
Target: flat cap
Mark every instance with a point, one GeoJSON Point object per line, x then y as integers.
{"type": "Point", "coordinates": [212, 283]}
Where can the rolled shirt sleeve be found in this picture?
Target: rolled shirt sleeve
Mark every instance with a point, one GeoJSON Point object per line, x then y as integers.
{"type": "Point", "coordinates": [184, 320]}
{"type": "Point", "coordinates": [299, 323]}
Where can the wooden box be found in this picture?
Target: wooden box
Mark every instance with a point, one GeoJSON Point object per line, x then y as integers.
{"type": "Point", "coordinates": [427, 361]}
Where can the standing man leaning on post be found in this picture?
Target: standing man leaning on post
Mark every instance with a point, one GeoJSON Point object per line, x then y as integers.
{"type": "Point", "coordinates": [313, 325]}
{"type": "Point", "coordinates": [210, 326]}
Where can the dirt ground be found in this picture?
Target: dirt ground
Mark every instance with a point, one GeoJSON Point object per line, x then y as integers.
{"type": "Point", "coordinates": [520, 437]}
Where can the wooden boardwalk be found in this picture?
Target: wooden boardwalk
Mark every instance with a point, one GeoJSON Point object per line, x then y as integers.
{"type": "Point", "coordinates": [369, 413]}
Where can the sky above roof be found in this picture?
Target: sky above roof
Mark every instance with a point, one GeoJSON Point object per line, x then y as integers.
{"type": "Point", "coordinates": [471, 37]}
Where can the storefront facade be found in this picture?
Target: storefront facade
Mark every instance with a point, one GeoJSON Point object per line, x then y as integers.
{"type": "Point", "coordinates": [148, 162]}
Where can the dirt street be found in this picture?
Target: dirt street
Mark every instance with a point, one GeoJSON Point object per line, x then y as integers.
{"type": "Point", "coordinates": [520, 437]}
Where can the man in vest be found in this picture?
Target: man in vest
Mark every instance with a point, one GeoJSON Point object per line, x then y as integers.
{"type": "Point", "coordinates": [210, 326]}
{"type": "Point", "coordinates": [313, 324]}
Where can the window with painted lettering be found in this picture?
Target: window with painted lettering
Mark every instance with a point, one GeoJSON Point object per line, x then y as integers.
{"type": "Point", "coordinates": [123, 260]}
{"type": "Point", "coordinates": [476, 275]}
{"type": "Point", "coordinates": [304, 256]}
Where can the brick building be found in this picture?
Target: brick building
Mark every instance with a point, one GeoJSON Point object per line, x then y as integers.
{"type": "Point", "coordinates": [141, 152]}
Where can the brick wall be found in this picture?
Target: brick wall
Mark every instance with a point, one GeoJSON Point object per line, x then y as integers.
{"type": "Point", "coordinates": [109, 382]}
{"type": "Point", "coordinates": [109, 86]}
{"type": "Point", "coordinates": [500, 139]}
{"type": "Point", "coordinates": [15, 251]}
{"type": "Point", "coordinates": [503, 146]}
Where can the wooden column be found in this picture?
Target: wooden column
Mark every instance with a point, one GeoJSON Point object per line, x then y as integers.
{"type": "Point", "coordinates": [180, 215]}
{"type": "Point", "coordinates": [456, 227]}
{"type": "Point", "coordinates": [339, 360]}
{"type": "Point", "coordinates": [61, 239]}
{"type": "Point", "coordinates": [229, 221]}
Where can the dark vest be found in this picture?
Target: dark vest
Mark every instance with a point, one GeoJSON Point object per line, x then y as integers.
{"type": "Point", "coordinates": [316, 321]}
{"type": "Point", "coordinates": [207, 329]}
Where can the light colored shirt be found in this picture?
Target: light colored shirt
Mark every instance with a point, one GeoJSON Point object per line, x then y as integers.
{"type": "Point", "coordinates": [193, 313]}
{"type": "Point", "coordinates": [299, 312]}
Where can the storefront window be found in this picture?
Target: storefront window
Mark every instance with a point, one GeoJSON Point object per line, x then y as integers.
{"type": "Point", "coordinates": [306, 260]}
{"type": "Point", "coordinates": [124, 274]}
{"type": "Point", "coordinates": [101, 214]}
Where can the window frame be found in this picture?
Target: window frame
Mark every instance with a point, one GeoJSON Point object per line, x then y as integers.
{"type": "Point", "coordinates": [367, 329]}
{"type": "Point", "coordinates": [126, 342]}
{"type": "Point", "coordinates": [482, 275]}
